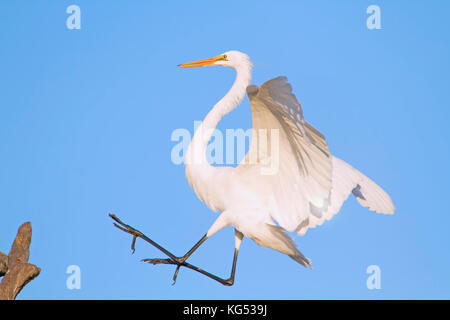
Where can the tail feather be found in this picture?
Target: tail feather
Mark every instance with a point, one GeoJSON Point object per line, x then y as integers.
{"type": "Point", "coordinates": [284, 243]}
{"type": "Point", "coordinates": [300, 258]}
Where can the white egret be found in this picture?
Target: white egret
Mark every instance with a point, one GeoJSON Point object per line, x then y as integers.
{"type": "Point", "coordinates": [308, 186]}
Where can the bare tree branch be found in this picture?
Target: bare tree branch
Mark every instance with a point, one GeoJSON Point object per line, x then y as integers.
{"type": "Point", "coordinates": [4, 261]}
{"type": "Point", "coordinates": [16, 278]}
{"type": "Point", "coordinates": [20, 251]}
{"type": "Point", "coordinates": [14, 267]}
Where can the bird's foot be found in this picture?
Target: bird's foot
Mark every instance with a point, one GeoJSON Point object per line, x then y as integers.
{"type": "Point", "coordinates": [159, 261]}
{"type": "Point", "coordinates": [177, 261]}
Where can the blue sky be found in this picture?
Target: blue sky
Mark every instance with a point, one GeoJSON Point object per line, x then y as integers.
{"type": "Point", "coordinates": [86, 118]}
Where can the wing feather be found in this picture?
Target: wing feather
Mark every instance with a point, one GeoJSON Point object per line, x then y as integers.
{"type": "Point", "coordinates": [309, 185]}
{"type": "Point", "coordinates": [302, 182]}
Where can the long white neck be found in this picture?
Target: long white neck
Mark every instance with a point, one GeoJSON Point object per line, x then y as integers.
{"type": "Point", "coordinates": [197, 166]}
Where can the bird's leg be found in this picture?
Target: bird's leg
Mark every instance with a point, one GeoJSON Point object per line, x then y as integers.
{"type": "Point", "coordinates": [220, 223]}
{"type": "Point", "coordinates": [230, 281]}
{"type": "Point", "coordinates": [195, 247]}
{"type": "Point", "coordinates": [238, 239]}
{"type": "Point", "coordinates": [137, 234]}
{"type": "Point", "coordinates": [182, 259]}
{"type": "Point", "coordinates": [173, 259]}
{"type": "Point", "coordinates": [225, 282]}
{"type": "Point", "coordinates": [178, 260]}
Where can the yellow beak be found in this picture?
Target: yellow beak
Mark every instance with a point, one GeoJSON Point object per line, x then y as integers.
{"type": "Point", "coordinates": [202, 63]}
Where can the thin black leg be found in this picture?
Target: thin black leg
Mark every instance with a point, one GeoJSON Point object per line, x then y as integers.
{"type": "Point", "coordinates": [173, 259]}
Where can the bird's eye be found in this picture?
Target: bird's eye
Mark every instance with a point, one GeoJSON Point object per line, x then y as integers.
{"type": "Point", "coordinates": [225, 57]}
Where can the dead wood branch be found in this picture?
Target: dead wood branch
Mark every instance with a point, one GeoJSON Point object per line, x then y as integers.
{"type": "Point", "coordinates": [14, 267]}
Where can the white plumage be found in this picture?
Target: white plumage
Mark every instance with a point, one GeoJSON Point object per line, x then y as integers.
{"type": "Point", "coordinates": [308, 185]}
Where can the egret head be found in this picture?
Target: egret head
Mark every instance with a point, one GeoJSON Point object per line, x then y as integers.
{"type": "Point", "coordinates": [232, 59]}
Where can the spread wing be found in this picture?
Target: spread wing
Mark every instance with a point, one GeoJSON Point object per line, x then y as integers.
{"type": "Point", "coordinates": [308, 185]}
{"type": "Point", "coordinates": [300, 184]}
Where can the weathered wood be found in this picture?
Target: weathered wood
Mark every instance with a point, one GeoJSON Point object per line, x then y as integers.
{"type": "Point", "coordinates": [4, 260]}
{"type": "Point", "coordinates": [20, 251]}
{"type": "Point", "coordinates": [16, 278]}
{"type": "Point", "coordinates": [14, 268]}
